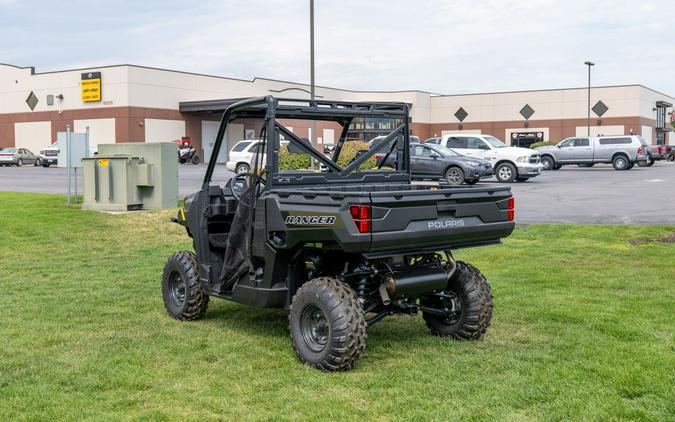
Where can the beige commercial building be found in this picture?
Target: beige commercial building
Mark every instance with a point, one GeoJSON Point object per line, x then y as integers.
{"type": "Point", "coordinates": [127, 103]}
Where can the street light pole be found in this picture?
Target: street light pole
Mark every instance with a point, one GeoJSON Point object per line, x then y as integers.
{"type": "Point", "coordinates": [588, 118]}
{"type": "Point", "coordinates": [311, 48]}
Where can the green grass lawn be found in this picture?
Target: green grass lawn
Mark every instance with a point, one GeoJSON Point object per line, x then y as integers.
{"type": "Point", "coordinates": [582, 329]}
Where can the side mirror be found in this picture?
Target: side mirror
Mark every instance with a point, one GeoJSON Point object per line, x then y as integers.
{"type": "Point", "coordinates": [483, 146]}
{"type": "Point", "coordinates": [557, 146]}
{"type": "Point", "coordinates": [435, 155]}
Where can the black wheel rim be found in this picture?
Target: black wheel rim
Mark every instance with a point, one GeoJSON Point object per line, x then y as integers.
{"type": "Point", "coordinates": [454, 177]}
{"type": "Point", "coordinates": [314, 328]}
{"type": "Point", "coordinates": [177, 289]}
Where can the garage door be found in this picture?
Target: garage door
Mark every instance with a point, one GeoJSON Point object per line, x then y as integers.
{"type": "Point", "coordinates": [161, 130]}
{"type": "Point", "coordinates": [235, 133]}
{"type": "Point", "coordinates": [33, 136]}
{"type": "Point", "coordinates": [101, 131]}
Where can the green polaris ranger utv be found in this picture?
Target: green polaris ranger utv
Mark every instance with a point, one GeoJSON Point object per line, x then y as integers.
{"type": "Point", "coordinates": [340, 246]}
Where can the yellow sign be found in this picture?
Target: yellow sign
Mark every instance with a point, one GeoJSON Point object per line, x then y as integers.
{"type": "Point", "coordinates": [103, 163]}
{"type": "Point", "coordinates": [90, 86]}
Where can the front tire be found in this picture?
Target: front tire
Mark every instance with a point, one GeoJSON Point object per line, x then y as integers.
{"type": "Point", "coordinates": [454, 176]}
{"type": "Point", "coordinates": [327, 325]}
{"type": "Point", "coordinates": [242, 168]}
{"type": "Point", "coordinates": [468, 289]}
{"type": "Point", "coordinates": [37, 162]}
{"type": "Point", "coordinates": [547, 162]}
{"type": "Point", "coordinates": [506, 172]}
{"type": "Point", "coordinates": [183, 296]}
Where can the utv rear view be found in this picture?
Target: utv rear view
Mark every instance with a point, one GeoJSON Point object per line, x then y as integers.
{"type": "Point", "coordinates": [338, 243]}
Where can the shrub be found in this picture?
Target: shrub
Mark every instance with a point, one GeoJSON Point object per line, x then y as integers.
{"type": "Point", "coordinates": [542, 144]}
{"type": "Point", "coordinates": [349, 151]}
{"type": "Point", "coordinates": [293, 161]}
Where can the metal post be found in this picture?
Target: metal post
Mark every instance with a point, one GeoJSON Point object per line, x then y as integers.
{"type": "Point", "coordinates": [86, 146]}
{"type": "Point", "coordinates": [312, 137]}
{"type": "Point", "coordinates": [68, 162]}
{"type": "Point", "coordinates": [588, 117]}
{"type": "Point", "coordinates": [311, 48]}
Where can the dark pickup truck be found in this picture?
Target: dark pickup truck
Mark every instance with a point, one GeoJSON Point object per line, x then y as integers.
{"type": "Point", "coordinates": [341, 247]}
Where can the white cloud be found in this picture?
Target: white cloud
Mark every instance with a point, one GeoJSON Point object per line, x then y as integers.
{"type": "Point", "coordinates": [444, 46]}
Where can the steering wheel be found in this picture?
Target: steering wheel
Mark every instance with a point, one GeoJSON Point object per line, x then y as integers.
{"type": "Point", "coordinates": [239, 184]}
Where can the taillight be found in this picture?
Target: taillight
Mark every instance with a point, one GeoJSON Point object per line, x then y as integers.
{"type": "Point", "coordinates": [660, 149]}
{"type": "Point", "coordinates": [511, 208]}
{"type": "Point", "coordinates": [361, 216]}
{"type": "Point", "coordinates": [639, 151]}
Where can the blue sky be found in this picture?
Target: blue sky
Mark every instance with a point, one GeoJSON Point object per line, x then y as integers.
{"type": "Point", "coordinates": [437, 45]}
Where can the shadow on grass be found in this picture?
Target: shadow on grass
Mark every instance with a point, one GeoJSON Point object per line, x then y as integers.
{"type": "Point", "coordinates": [249, 320]}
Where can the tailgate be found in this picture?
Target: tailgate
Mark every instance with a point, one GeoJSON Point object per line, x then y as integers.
{"type": "Point", "coordinates": [428, 219]}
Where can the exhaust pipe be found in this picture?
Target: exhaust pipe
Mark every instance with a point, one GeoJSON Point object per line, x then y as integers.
{"type": "Point", "coordinates": [414, 282]}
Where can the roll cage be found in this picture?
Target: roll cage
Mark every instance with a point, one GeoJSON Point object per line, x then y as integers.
{"type": "Point", "coordinates": [270, 109]}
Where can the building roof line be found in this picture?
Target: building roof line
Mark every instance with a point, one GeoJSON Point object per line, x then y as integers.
{"type": "Point", "coordinates": [554, 89]}
{"type": "Point", "coordinates": [432, 94]}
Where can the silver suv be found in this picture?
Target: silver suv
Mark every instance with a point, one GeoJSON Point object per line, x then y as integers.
{"type": "Point", "coordinates": [621, 151]}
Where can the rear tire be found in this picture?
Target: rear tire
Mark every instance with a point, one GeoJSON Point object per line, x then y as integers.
{"type": "Point", "coordinates": [620, 162]}
{"type": "Point", "coordinates": [19, 162]}
{"type": "Point", "coordinates": [195, 159]}
{"type": "Point", "coordinates": [650, 162]}
{"type": "Point", "coordinates": [506, 172]}
{"type": "Point", "coordinates": [183, 296]}
{"type": "Point", "coordinates": [474, 295]}
{"type": "Point", "coordinates": [327, 325]}
{"type": "Point", "coordinates": [454, 176]}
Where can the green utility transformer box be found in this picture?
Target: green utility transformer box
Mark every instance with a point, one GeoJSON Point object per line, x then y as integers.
{"type": "Point", "coordinates": [131, 176]}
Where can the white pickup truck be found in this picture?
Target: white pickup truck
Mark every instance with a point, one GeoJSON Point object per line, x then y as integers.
{"type": "Point", "coordinates": [509, 163]}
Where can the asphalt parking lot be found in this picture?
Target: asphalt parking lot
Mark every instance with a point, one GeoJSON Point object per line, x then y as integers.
{"type": "Point", "coordinates": [597, 195]}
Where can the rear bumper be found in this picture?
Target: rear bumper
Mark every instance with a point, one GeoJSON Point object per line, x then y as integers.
{"type": "Point", "coordinates": [11, 160]}
{"type": "Point", "coordinates": [529, 170]}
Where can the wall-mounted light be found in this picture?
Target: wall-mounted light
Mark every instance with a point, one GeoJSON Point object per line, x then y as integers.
{"type": "Point", "coordinates": [599, 122]}
{"type": "Point", "coordinates": [60, 97]}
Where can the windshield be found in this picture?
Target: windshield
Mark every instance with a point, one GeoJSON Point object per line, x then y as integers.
{"type": "Point", "coordinates": [494, 141]}
{"type": "Point", "coordinates": [450, 152]}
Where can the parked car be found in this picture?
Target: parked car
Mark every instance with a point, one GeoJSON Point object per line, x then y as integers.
{"type": "Point", "coordinates": [18, 157]}
{"type": "Point", "coordinates": [241, 156]}
{"type": "Point", "coordinates": [49, 156]}
{"type": "Point", "coordinates": [658, 152]}
{"type": "Point", "coordinates": [508, 163]}
{"type": "Point", "coordinates": [437, 162]}
{"type": "Point", "coordinates": [623, 152]}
